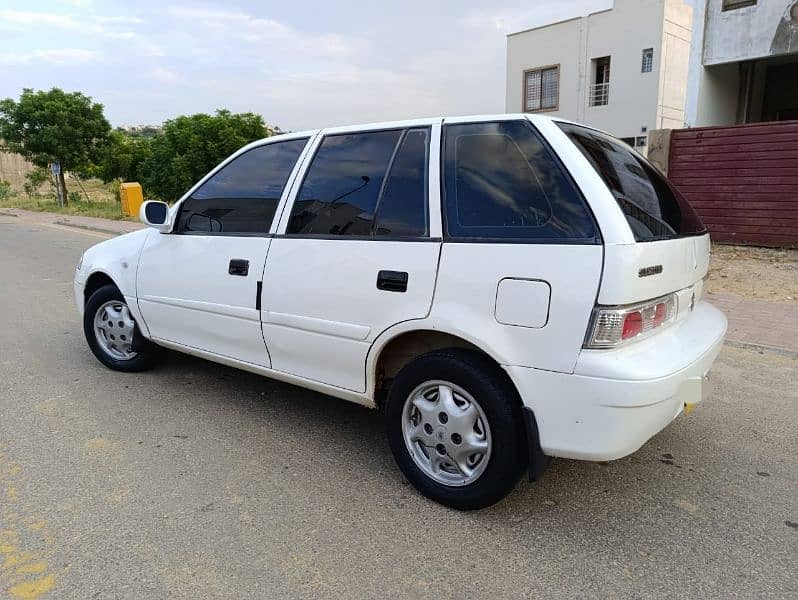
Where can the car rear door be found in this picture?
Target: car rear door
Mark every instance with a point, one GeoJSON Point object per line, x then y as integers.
{"type": "Point", "coordinates": [353, 254]}
{"type": "Point", "coordinates": [198, 285]}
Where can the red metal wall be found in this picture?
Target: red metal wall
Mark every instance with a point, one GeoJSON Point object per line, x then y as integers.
{"type": "Point", "coordinates": [742, 180]}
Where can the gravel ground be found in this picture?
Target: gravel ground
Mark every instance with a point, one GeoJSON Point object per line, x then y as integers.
{"type": "Point", "coordinates": [762, 273]}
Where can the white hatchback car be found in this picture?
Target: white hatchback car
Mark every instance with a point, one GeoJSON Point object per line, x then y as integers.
{"type": "Point", "coordinates": [507, 288]}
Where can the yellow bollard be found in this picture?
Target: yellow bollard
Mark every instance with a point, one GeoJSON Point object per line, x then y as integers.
{"type": "Point", "coordinates": [132, 198]}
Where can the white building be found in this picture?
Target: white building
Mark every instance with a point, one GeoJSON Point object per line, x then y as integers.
{"type": "Point", "coordinates": [744, 62]}
{"type": "Point", "coordinates": [623, 70]}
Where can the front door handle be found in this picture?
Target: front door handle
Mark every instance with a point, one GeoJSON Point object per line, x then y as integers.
{"type": "Point", "coordinates": [238, 266]}
{"type": "Point", "coordinates": [392, 281]}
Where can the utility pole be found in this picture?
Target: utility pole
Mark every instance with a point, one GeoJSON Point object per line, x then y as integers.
{"type": "Point", "coordinates": [55, 169]}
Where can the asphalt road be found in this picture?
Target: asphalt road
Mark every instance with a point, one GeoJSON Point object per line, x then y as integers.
{"type": "Point", "coordinates": [198, 481]}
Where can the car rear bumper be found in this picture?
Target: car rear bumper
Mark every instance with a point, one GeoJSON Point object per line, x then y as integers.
{"type": "Point", "coordinates": [616, 400]}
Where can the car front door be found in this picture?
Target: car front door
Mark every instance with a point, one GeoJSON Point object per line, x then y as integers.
{"type": "Point", "coordinates": [353, 255]}
{"type": "Point", "coordinates": [198, 286]}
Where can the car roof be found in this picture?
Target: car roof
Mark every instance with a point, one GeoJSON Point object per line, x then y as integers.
{"type": "Point", "coordinates": [420, 122]}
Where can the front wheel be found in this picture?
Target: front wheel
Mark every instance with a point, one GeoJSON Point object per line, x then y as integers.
{"type": "Point", "coordinates": [113, 335]}
{"type": "Point", "coordinates": [455, 428]}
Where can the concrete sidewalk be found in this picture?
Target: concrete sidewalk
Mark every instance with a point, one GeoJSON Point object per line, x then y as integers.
{"type": "Point", "coordinates": [109, 226]}
{"type": "Point", "coordinates": [759, 322]}
{"type": "Point", "coordinates": [751, 322]}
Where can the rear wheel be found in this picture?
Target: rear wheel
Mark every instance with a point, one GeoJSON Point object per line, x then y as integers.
{"type": "Point", "coordinates": [455, 429]}
{"type": "Point", "coordinates": [113, 335]}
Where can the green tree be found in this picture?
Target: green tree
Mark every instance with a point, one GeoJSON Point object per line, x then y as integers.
{"type": "Point", "coordinates": [190, 146]}
{"type": "Point", "coordinates": [52, 126]}
{"type": "Point", "coordinates": [122, 157]}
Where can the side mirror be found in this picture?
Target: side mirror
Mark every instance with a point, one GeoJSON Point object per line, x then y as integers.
{"type": "Point", "coordinates": [156, 214]}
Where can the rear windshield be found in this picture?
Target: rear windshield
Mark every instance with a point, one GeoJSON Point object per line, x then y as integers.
{"type": "Point", "coordinates": [654, 209]}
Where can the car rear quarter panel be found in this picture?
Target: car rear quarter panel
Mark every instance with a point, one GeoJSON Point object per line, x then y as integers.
{"type": "Point", "coordinates": [466, 293]}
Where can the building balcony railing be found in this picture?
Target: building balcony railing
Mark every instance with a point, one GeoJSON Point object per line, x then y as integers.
{"type": "Point", "coordinates": [599, 94]}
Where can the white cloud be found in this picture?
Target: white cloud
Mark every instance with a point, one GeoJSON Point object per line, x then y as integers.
{"type": "Point", "coordinates": [206, 14]}
{"type": "Point", "coordinates": [165, 75]}
{"type": "Point", "coordinates": [110, 27]}
{"type": "Point", "coordinates": [512, 20]}
{"type": "Point", "coordinates": [56, 56]}
{"type": "Point", "coordinates": [259, 32]}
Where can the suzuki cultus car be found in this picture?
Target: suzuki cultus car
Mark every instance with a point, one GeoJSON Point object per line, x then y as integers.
{"type": "Point", "coordinates": [505, 288]}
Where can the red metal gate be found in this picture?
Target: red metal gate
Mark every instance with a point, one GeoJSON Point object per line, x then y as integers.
{"type": "Point", "coordinates": [742, 180]}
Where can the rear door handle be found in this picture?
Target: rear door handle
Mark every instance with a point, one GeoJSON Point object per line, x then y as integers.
{"type": "Point", "coordinates": [392, 281]}
{"type": "Point", "coordinates": [238, 266]}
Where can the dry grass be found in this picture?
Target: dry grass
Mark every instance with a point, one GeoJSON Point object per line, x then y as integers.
{"type": "Point", "coordinates": [764, 273]}
{"type": "Point", "coordinates": [97, 199]}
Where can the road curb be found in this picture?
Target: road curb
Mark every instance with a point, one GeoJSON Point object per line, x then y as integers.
{"type": "Point", "coordinates": [88, 227]}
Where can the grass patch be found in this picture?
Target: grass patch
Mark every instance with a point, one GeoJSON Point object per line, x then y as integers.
{"type": "Point", "coordinates": [101, 202]}
{"type": "Point", "coordinates": [104, 210]}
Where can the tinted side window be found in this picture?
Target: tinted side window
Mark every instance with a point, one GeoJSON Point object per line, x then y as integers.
{"type": "Point", "coordinates": [403, 206]}
{"type": "Point", "coordinates": [242, 197]}
{"type": "Point", "coordinates": [502, 182]}
{"type": "Point", "coordinates": [653, 208]}
{"type": "Point", "coordinates": [340, 192]}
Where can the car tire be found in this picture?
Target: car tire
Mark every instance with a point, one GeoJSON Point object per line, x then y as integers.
{"type": "Point", "coordinates": [420, 435]}
{"type": "Point", "coordinates": [116, 342]}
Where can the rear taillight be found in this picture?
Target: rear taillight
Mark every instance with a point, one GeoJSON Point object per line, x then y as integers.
{"type": "Point", "coordinates": [615, 325]}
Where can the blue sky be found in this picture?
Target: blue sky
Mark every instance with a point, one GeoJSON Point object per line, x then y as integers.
{"type": "Point", "coordinates": [299, 64]}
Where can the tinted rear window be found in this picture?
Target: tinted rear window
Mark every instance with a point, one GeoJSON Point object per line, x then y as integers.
{"type": "Point", "coordinates": [654, 209]}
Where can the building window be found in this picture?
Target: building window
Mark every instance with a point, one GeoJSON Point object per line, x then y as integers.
{"type": "Point", "coordinates": [648, 60]}
{"type": "Point", "coordinates": [600, 89]}
{"type": "Point", "coordinates": [640, 141]}
{"type": "Point", "coordinates": [735, 4]}
{"type": "Point", "coordinates": [542, 89]}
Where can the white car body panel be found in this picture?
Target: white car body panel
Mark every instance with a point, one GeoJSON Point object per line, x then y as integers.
{"type": "Point", "coordinates": [323, 322]}
{"type": "Point", "coordinates": [618, 399]}
{"type": "Point", "coordinates": [468, 281]}
{"type": "Point", "coordinates": [191, 299]}
{"type": "Point", "coordinates": [118, 259]}
{"type": "Point", "coordinates": [684, 261]}
{"type": "Point", "coordinates": [328, 308]}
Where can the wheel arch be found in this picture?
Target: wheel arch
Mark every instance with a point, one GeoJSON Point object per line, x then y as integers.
{"type": "Point", "coordinates": [95, 281]}
{"type": "Point", "coordinates": [99, 278]}
{"type": "Point", "coordinates": [398, 345]}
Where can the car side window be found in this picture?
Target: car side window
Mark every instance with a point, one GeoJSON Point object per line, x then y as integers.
{"type": "Point", "coordinates": [242, 197]}
{"type": "Point", "coordinates": [365, 184]}
{"type": "Point", "coordinates": [403, 207]}
{"type": "Point", "coordinates": [503, 182]}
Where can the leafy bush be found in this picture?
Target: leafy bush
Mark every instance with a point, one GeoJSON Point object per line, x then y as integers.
{"type": "Point", "coordinates": [190, 146]}
{"type": "Point", "coordinates": [74, 197]}
{"type": "Point", "coordinates": [5, 190]}
{"type": "Point", "coordinates": [35, 179]}
{"type": "Point", "coordinates": [122, 157]}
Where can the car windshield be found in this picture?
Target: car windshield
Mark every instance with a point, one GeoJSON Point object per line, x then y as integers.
{"type": "Point", "coordinates": [654, 209]}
